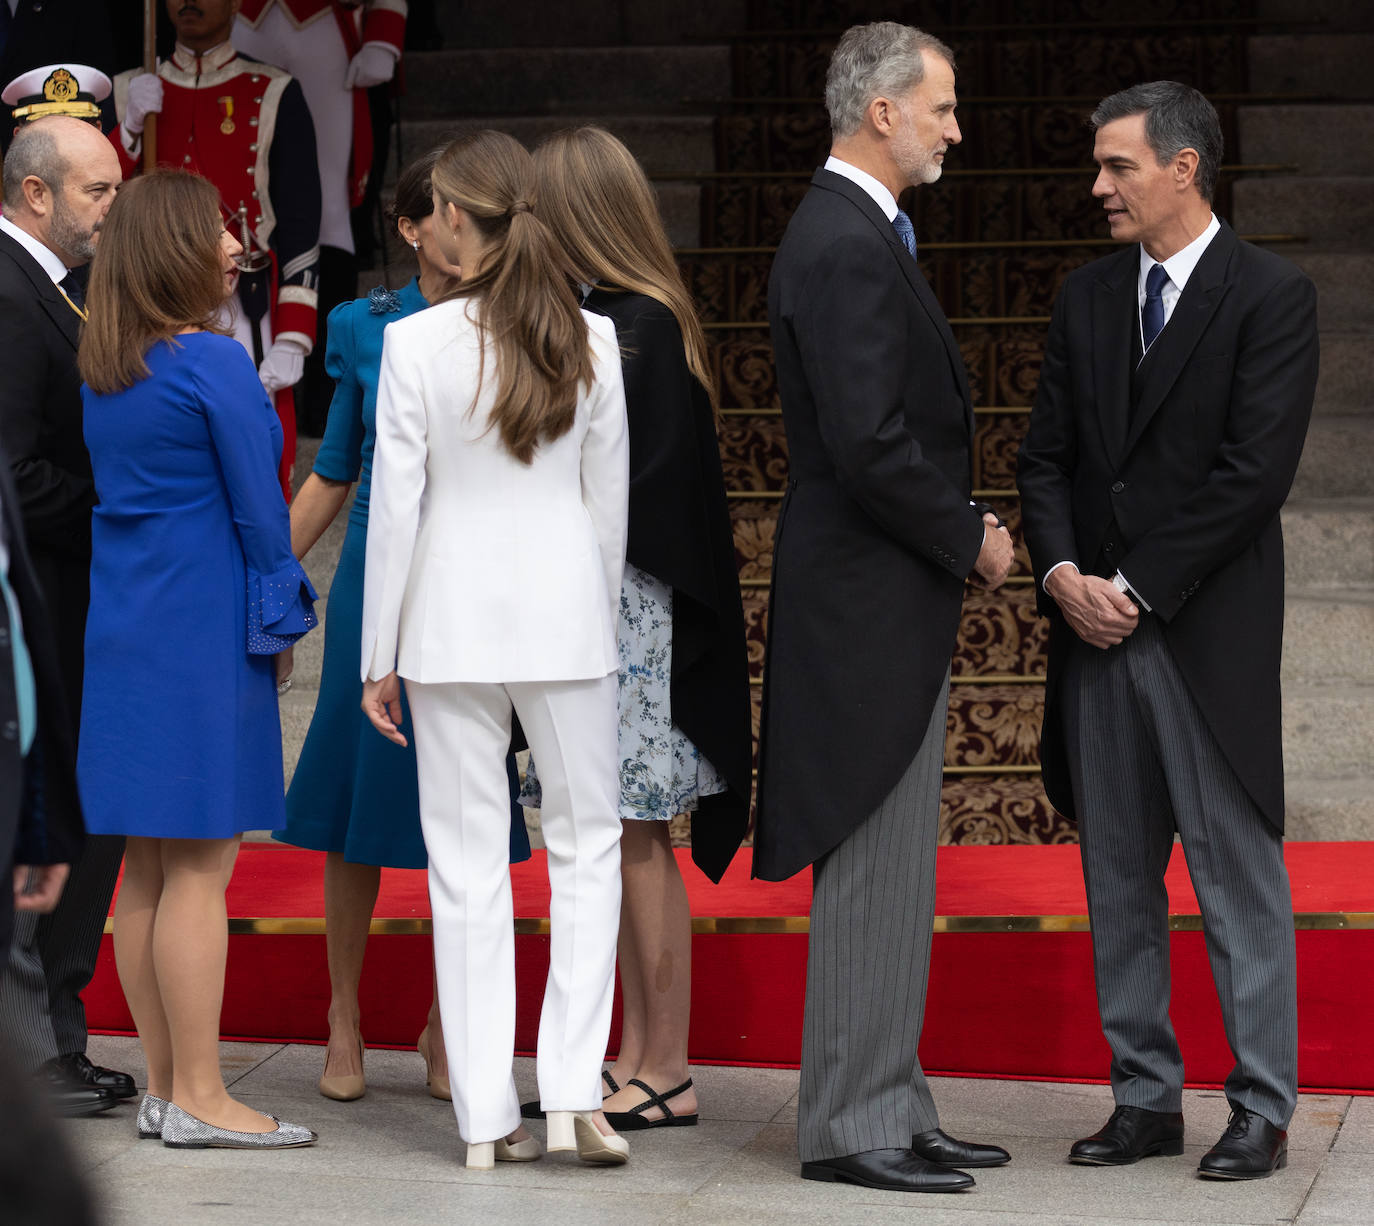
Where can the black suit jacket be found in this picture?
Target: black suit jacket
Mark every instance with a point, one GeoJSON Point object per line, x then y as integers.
{"type": "Point", "coordinates": [680, 533]}
{"type": "Point", "coordinates": [40, 817]}
{"type": "Point", "coordinates": [876, 534]}
{"type": "Point", "coordinates": [1183, 493]}
{"type": "Point", "coordinates": [41, 430]}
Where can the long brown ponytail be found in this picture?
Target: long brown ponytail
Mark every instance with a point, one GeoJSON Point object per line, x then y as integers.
{"type": "Point", "coordinates": [522, 293]}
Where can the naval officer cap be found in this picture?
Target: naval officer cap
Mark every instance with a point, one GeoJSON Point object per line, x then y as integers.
{"type": "Point", "coordinates": [57, 89]}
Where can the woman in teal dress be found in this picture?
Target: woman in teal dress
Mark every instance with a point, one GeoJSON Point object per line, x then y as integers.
{"type": "Point", "coordinates": [354, 794]}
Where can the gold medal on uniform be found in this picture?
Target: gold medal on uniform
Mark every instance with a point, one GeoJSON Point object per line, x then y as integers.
{"type": "Point", "coordinates": [227, 124]}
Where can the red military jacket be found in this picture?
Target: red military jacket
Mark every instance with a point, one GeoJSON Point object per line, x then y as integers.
{"type": "Point", "coordinates": [245, 127]}
{"type": "Point", "coordinates": [384, 21]}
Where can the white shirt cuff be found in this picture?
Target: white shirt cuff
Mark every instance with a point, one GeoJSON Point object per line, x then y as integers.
{"type": "Point", "coordinates": [1054, 568]}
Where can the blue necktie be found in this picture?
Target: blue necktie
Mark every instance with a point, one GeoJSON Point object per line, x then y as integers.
{"type": "Point", "coordinates": [905, 231]}
{"type": "Point", "coordinates": [1152, 313]}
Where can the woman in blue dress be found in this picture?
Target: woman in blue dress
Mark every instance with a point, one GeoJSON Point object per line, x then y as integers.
{"type": "Point", "coordinates": [194, 590]}
{"type": "Point", "coordinates": [354, 795]}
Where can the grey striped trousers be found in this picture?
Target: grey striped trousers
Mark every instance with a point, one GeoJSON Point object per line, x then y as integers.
{"type": "Point", "coordinates": [868, 963]}
{"type": "Point", "coordinates": [1144, 763]}
{"type": "Point", "coordinates": [52, 959]}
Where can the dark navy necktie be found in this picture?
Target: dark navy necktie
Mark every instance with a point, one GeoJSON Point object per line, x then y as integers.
{"type": "Point", "coordinates": [905, 231]}
{"type": "Point", "coordinates": [1152, 313]}
{"type": "Point", "coordinates": [71, 283]}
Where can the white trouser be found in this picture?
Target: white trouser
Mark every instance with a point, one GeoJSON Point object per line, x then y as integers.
{"type": "Point", "coordinates": [462, 731]}
{"type": "Point", "coordinates": [316, 56]}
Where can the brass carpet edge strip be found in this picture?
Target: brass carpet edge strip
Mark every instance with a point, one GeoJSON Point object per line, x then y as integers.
{"type": "Point", "coordinates": [750, 925]}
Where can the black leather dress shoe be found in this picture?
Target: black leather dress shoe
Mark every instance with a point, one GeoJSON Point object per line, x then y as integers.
{"type": "Point", "coordinates": [1250, 1148]}
{"type": "Point", "coordinates": [1131, 1134]}
{"type": "Point", "coordinates": [77, 1068]}
{"type": "Point", "coordinates": [940, 1148]}
{"type": "Point", "coordinates": [891, 1170]}
{"type": "Point", "coordinates": [72, 1098]}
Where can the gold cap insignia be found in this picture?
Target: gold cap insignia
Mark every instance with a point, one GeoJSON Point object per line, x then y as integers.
{"type": "Point", "coordinates": [61, 86]}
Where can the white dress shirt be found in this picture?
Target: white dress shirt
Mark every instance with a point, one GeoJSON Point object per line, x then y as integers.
{"type": "Point", "coordinates": [47, 259]}
{"type": "Point", "coordinates": [1178, 267]}
{"type": "Point", "coordinates": [883, 198]}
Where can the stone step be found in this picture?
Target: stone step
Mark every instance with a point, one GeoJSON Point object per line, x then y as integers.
{"type": "Point", "coordinates": [1327, 730]}
{"type": "Point", "coordinates": [1337, 459]}
{"type": "Point", "coordinates": [1321, 139]}
{"type": "Point", "coordinates": [1334, 210]}
{"type": "Point", "coordinates": [1334, 14]}
{"type": "Point", "coordinates": [561, 80]}
{"type": "Point", "coordinates": [662, 143]}
{"type": "Point", "coordinates": [1345, 286]}
{"type": "Point", "coordinates": [1329, 544]}
{"type": "Point", "coordinates": [1328, 65]}
{"type": "Point", "coordinates": [537, 23]}
{"type": "Point", "coordinates": [1344, 386]}
{"type": "Point", "coordinates": [1328, 637]}
{"type": "Point", "coordinates": [1329, 810]}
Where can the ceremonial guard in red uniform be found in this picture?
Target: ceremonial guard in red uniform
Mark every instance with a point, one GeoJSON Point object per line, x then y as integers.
{"type": "Point", "coordinates": [337, 50]}
{"type": "Point", "coordinates": [243, 125]}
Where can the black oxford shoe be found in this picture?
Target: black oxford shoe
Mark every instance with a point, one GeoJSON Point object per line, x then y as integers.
{"type": "Point", "coordinates": [1250, 1148]}
{"type": "Point", "coordinates": [80, 1071]}
{"type": "Point", "coordinates": [1131, 1134]}
{"type": "Point", "coordinates": [69, 1098]}
{"type": "Point", "coordinates": [890, 1170]}
{"type": "Point", "coordinates": [938, 1147]}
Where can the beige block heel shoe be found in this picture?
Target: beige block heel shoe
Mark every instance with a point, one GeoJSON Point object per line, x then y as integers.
{"type": "Point", "coordinates": [577, 1130]}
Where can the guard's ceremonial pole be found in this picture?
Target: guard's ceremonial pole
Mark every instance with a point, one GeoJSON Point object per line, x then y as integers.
{"type": "Point", "coordinates": [150, 65]}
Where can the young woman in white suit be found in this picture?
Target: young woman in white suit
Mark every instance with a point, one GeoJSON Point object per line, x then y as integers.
{"type": "Point", "coordinates": [502, 452]}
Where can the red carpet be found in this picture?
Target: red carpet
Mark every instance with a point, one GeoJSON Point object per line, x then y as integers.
{"type": "Point", "coordinates": [1011, 980]}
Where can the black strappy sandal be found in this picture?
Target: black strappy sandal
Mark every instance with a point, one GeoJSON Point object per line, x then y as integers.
{"type": "Point", "coordinates": [533, 1111]}
{"type": "Point", "coordinates": [633, 1120]}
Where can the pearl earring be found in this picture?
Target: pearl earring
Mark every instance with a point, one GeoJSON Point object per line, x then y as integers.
{"type": "Point", "coordinates": [415, 242]}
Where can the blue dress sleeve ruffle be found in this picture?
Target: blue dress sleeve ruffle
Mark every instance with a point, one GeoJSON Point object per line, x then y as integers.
{"type": "Point", "coordinates": [280, 609]}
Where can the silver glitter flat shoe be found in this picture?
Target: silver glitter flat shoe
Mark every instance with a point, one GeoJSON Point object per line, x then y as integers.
{"type": "Point", "coordinates": [181, 1130]}
{"type": "Point", "coordinates": [150, 1115]}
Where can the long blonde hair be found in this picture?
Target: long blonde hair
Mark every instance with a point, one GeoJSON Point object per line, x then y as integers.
{"type": "Point", "coordinates": [522, 293]}
{"type": "Point", "coordinates": [156, 271]}
{"type": "Point", "coordinates": [602, 211]}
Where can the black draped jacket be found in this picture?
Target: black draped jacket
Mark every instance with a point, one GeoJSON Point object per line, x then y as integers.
{"type": "Point", "coordinates": [680, 532]}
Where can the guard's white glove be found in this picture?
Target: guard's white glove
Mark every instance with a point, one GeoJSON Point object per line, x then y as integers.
{"type": "Point", "coordinates": [282, 365]}
{"type": "Point", "coordinates": [374, 63]}
{"type": "Point", "coordinates": [145, 97]}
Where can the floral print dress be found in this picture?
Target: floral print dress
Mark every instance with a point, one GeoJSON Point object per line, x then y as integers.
{"type": "Point", "coordinates": [662, 773]}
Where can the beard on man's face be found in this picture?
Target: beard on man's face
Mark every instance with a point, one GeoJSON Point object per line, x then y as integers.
{"type": "Point", "coordinates": [69, 234]}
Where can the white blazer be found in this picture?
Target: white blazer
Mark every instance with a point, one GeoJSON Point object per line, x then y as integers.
{"type": "Point", "coordinates": [480, 568]}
